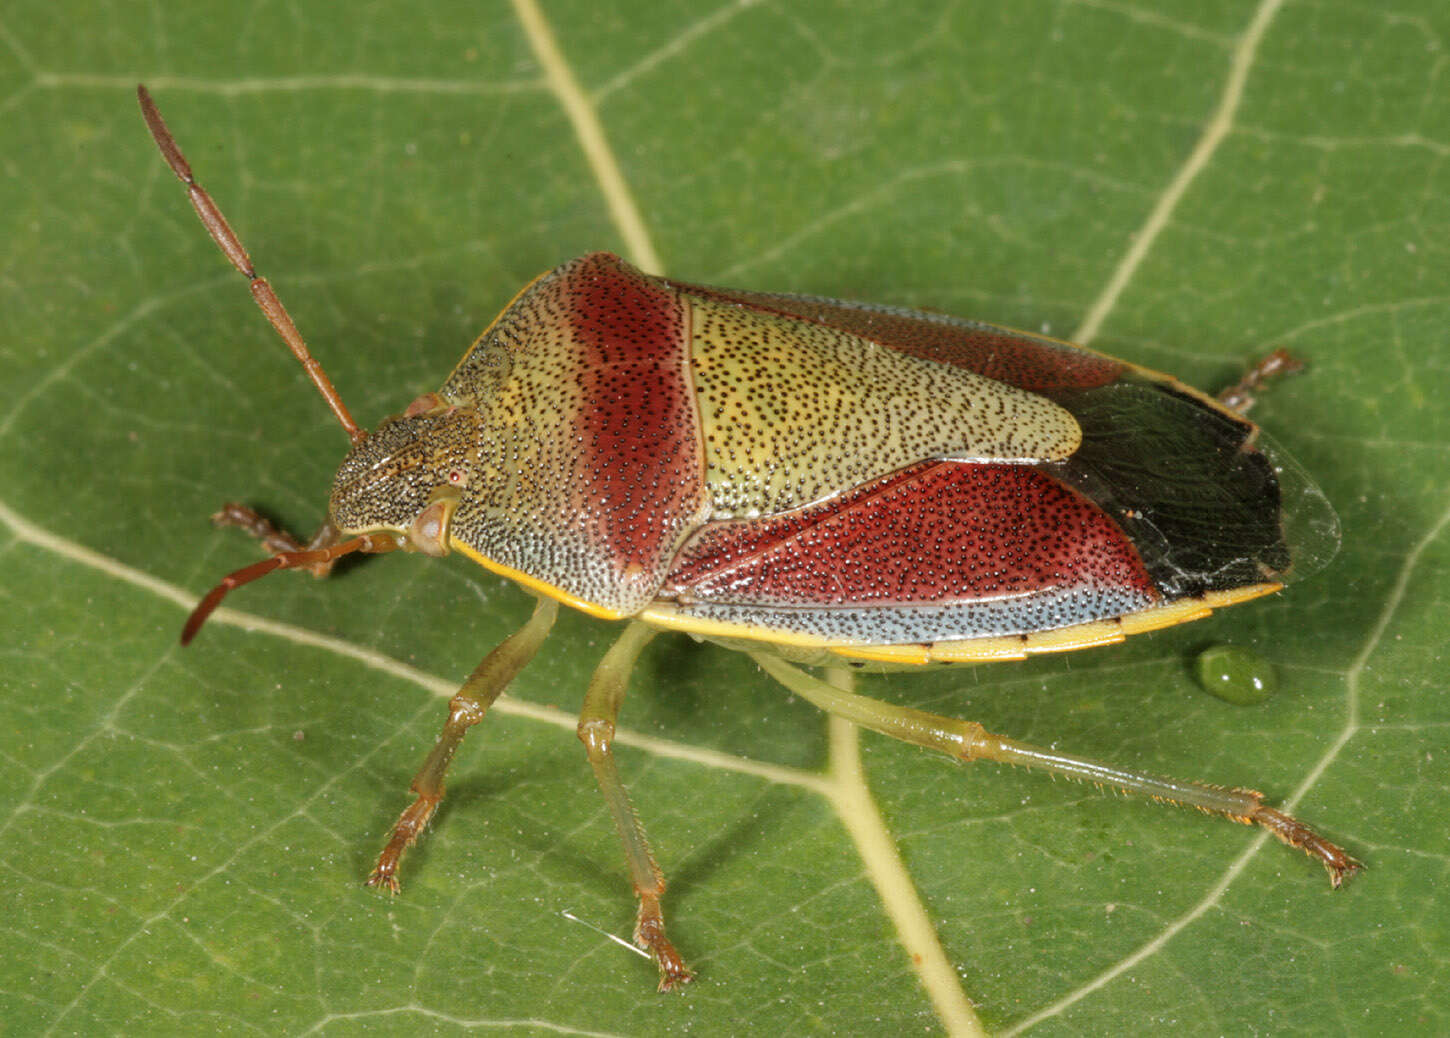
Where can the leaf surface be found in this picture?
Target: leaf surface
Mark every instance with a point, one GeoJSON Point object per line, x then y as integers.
{"type": "Point", "coordinates": [1189, 185]}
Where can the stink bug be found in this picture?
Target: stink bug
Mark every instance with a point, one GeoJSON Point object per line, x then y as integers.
{"type": "Point", "coordinates": [806, 480]}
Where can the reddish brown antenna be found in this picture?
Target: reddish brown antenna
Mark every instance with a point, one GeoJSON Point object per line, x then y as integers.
{"type": "Point", "coordinates": [222, 233]}
{"type": "Point", "coordinates": [368, 543]}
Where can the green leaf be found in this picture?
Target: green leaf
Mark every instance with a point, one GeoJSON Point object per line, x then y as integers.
{"type": "Point", "coordinates": [187, 832]}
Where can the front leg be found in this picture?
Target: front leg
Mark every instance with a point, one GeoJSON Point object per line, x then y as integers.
{"type": "Point", "coordinates": [278, 541]}
{"type": "Point", "coordinates": [466, 709]}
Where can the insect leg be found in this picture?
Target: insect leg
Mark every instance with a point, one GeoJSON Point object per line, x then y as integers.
{"type": "Point", "coordinates": [967, 740]}
{"type": "Point", "coordinates": [466, 709]}
{"type": "Point", "coordinates": [596, 731]}
{"type": "Point", "coordinates": [277, 541]}
{"type": "Point", "coordinates": [1240, 396]}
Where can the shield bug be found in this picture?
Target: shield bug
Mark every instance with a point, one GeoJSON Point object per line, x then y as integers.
{"type": "Point", "coordinates": [806, 480]}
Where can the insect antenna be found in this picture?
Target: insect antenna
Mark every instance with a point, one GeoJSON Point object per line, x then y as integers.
{"type": "Point", "coordinates": [222, 233]}
{"type": "Point", "coordinates": [368, 543]}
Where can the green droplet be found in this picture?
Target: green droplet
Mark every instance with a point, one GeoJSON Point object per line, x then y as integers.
{"type": "Point", "coordinates": [1236, 675]}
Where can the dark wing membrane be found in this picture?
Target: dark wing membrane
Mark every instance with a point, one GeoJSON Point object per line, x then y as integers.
{"type": "Point", "coordinates": [1198, 501]}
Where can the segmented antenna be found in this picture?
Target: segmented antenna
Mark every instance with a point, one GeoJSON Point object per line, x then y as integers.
{"type": "Point", "coordinates": [222, 233]}
{"type": "Point", "coordinates": [368, 544]}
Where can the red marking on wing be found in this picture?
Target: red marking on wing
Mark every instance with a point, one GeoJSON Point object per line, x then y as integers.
{"type": "Point", "coordinates": [933, 534]}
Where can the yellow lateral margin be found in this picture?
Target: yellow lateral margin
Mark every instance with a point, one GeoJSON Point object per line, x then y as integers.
{"type": "Point", "coordinates": [965, 650]}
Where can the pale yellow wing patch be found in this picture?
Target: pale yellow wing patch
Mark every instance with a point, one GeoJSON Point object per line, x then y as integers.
{"type": "Point", "coordinates": [793, 412]}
